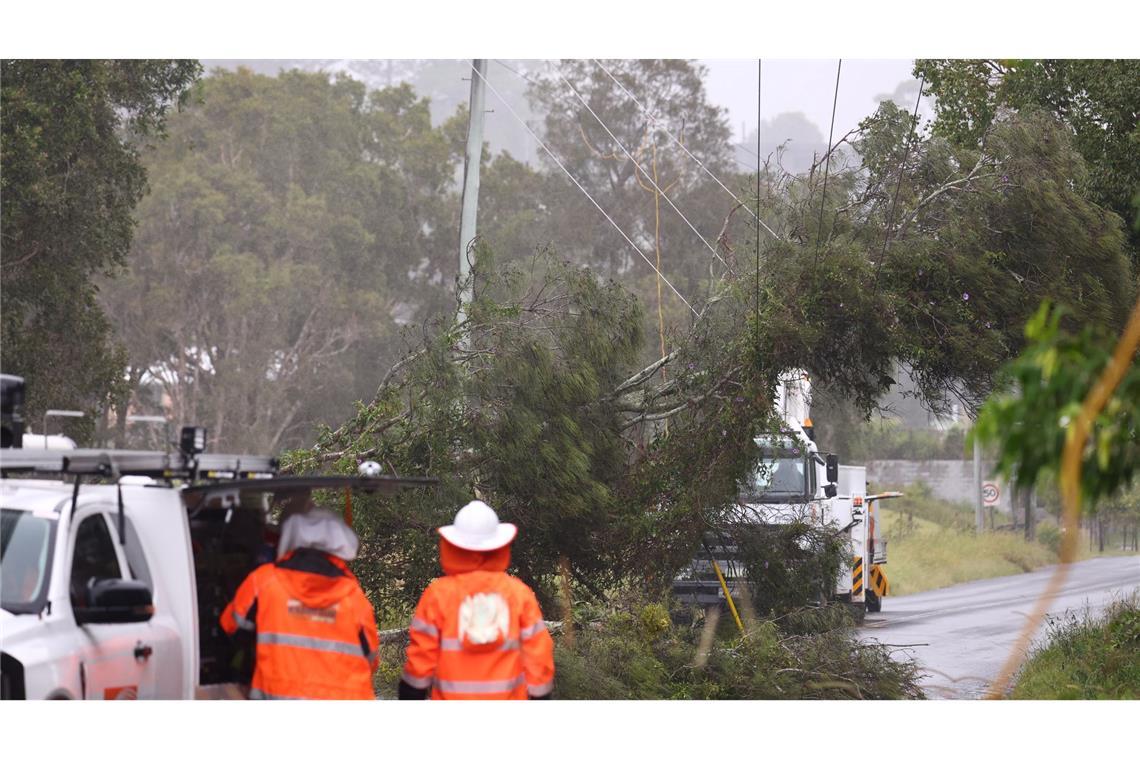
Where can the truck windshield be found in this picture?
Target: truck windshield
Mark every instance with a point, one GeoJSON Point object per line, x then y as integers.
{"type": "Point", "coordinates": [25, 553]}
{"type": "Point", "coordinates": [782, 477]}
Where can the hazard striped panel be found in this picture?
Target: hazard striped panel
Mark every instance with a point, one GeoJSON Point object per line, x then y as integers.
{"type": "Point", "coordinates": [857, 577]}
{"type": "Point", "coordinates": [878, 581]}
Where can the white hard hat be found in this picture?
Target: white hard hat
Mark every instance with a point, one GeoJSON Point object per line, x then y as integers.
{"type": "Point", "coordinates": [318, 529]}
{"type": "Point", "coordinates": [477, 528]}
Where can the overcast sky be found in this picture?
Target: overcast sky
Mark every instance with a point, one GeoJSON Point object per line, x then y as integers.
{"type": "Point", "coordinates": [803, 85]}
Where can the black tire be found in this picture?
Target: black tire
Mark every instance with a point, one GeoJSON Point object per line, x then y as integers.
{"type": "Point", "coordinates": [874, 602]}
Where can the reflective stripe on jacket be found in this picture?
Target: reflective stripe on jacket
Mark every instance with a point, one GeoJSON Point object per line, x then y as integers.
{"type": "Point", "coordinates": [315, 630]}
{"type": "Point", "coordinates": [514, 663]}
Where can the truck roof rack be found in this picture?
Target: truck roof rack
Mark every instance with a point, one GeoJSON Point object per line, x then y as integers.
{"type": "Point", "coordinates": [384, 484]}
{"type": "Point", "coordinates": [156, 464]}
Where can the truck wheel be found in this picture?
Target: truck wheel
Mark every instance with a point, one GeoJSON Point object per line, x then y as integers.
{"type": "Point", "coordinates": [874, 601]}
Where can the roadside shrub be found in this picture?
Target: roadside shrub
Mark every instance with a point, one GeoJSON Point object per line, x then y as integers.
{"type": "Point", "coordinates": [804, 654]}
{"type": "Point", "coordinates": [1087, 657]}
{"type": "Point", "coordinates": [890, 440]}
{"type": "Point", "coordinates": [919, 502]}
{"type": "Point", "coordinates": [1049, 536]}
{"type": "Point", "coordinates": [789, 565]}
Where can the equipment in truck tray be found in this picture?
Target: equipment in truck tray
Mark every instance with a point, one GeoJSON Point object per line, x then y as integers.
{"type": "Point", "coordinates": [225, 551]}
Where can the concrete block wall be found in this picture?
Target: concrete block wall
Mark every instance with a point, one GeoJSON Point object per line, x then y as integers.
{"type": "Point", "coordinates": [948, 479]}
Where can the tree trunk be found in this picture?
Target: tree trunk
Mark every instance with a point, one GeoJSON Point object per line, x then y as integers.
{"type": "Point", "coordinates": [1030, 515]}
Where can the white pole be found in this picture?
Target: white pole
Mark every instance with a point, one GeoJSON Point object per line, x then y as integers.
{"type": "Point", "coordinates": [471, 186]}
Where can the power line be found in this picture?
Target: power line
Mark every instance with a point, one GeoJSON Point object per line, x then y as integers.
{"type": "Point", "coordinates": [902, 165]}
{"type": "Point", "coordinates": [577, 184]}
{"type": "Point", "coordinates": [639, 168]}
{"type": "Point", "coordinates": [748, 150]}
{"type": "Point", "coordinates": [687, 151]}
{"type": "Point", "coordinates": [827, 163]}
{"type": "Point", "coordinates": [759, 101]}
{"type": "Point", "coordinates": [749, 167]}
{"type": "Point", "coordinates": [515, 71]}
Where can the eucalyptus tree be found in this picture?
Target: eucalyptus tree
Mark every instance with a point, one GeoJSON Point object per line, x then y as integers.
{"type": "Point", "coordinates": [295, 222]}
{"type": "Point", "coordinates": [74, 135]}
{"type": "Point", "coordinates": [1098, 100]}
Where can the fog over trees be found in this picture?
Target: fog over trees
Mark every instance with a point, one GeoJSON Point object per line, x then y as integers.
{"type": "Point", "coordinates": [300, 228]}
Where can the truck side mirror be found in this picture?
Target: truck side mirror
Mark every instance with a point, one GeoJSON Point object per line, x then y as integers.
{"type": "Point", "coordinates": [830, 490]}
{"type": "Point", "coordinates": [115, 600]}
{"type": "Point", "coordinates": [832, 468]}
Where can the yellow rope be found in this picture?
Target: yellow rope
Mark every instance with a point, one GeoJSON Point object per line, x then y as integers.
{"type": "Point", "coordinates": [727, 596]}
{"type": "Point", "coordinates": [1071, 462]}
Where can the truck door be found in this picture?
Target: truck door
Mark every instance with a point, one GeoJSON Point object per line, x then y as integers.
{"type": "Point", "coordinates": [162, 638]}
{"type": "Point", "coordinates": [111, 655]}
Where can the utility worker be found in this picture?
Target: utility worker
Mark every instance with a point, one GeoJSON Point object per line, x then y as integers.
{"type": "Point", "coordinates": [315, 631]}
{"type": "Point", "coordinates": [477, 633]}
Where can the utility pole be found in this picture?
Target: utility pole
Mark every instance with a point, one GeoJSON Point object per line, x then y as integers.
{"type": "Point", "coordinates": [471, 187]}
{"type": "Point", "coordinates": [979, 514]}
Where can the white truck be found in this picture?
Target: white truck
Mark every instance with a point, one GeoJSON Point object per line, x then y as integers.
{"type": "Point", "coordinates": [113, 589]}
{"type": "Point", "coordinates": [793, 481]}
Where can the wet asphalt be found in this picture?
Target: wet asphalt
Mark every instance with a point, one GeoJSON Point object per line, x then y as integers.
{"type": "Point", "coordinates": [962, 635]}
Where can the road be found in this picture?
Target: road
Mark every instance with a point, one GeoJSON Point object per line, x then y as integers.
{"type": "Point", "coordinates": [961, 635]}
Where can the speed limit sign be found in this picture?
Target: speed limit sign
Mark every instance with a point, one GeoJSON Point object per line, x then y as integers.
{"type": "Point", "coordinates": [991, 494]}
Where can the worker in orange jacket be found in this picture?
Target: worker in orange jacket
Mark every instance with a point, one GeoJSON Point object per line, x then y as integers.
{"type": "Point", "coordinates": [477, 633]}
{"type": "Point", "coordinates": [315, 630]}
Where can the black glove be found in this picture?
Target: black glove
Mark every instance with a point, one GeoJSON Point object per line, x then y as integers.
{"type": "Point", "coordinates": [406, 691]}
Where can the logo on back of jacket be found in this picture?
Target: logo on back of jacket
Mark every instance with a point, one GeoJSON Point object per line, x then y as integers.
{"type": "Point", "coordinates": [316, 614]}
{"type": "Point", "coordinates": [484, 621]}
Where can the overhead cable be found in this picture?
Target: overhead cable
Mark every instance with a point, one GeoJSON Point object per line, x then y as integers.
{"type": "Point", "coordinates": [687, 151]}
{"type": "Point", "coordinates": [577, 184]}
{"type": "Point", "coordinates": [898, 185]}
{"type": "Point", "coordinates": [639, 168]}
{"type": "Point", "coordinates": [827, 163]}
{"type": "Point", "coordinates": [759, 93]}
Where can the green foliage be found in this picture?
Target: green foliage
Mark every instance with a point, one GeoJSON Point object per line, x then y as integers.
{"type": "Point", "coordinates": [887, 440]}
{"type": "Point", "coordinates": [1049, 536]}
{"type": "Point", "coordinates": [803, 656]}
{"type": "Point", "coordinates": [71, 174]}
{"type": "Point", "coordinates": [1095, 98]}
{"type": "Point", "coordinates": [519, 417]}
{"type": "Point", "coordinates": [941, 281]}
{"type": "Point", "coordinates": [273, 258]}
{"type": "Point", "coordinates": [548, 418]}
{"type": "Point", "coordinates": [1047, 385]}
{"type": "Point", "coordinates": [1087, 657]}
{"type": "Point", "coordinates": [787, 565]}
{"type": "Point", "coordinates": [674, 92]}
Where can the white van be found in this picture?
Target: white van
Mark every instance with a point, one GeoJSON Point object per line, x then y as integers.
{"type": "Point", "coordinates": [113, 590]}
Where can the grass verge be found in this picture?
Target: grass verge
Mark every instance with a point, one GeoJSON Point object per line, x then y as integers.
{"type": "Point", "coordinates": [924, 555]}
{"type": "Point", "coordinates": [1087, 658]}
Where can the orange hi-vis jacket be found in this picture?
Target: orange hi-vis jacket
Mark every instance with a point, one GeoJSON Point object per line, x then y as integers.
{"type": "Point", "coordinates": [315, 630]}
{"type": "Point", "coordinates": [478, 633]}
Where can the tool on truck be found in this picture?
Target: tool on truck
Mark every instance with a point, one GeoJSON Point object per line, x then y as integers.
{"type": "Point", "coordinates": [116, 565]}
{"type": "Point", "coordinates": [794, 482]}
